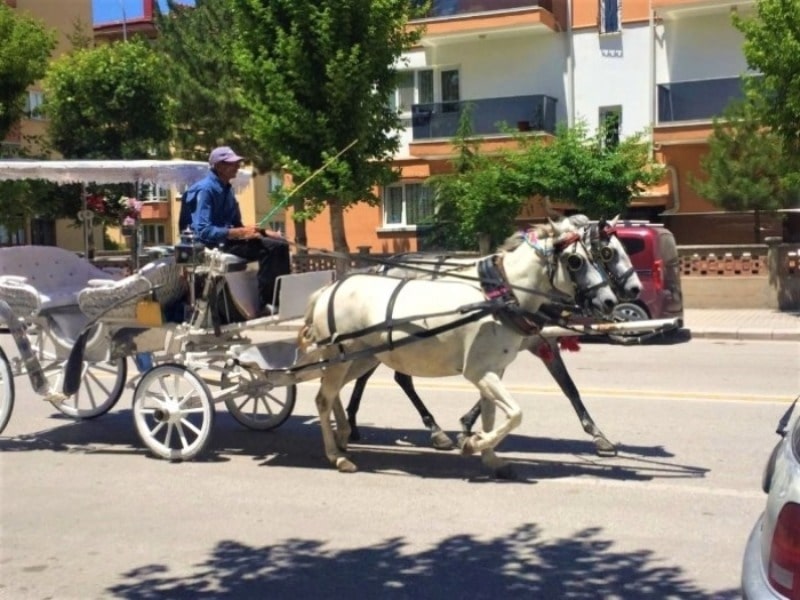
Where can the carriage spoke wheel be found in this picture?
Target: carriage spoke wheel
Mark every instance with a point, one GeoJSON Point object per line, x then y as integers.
{"type": "Point", "coordinates": [102, 383]}
{"type": "Point", "coordinates": [6, 391]}
{"type": "Point", "coordinates": [257, 404]}
{"type": "Point", "coordinates": [173, 412]}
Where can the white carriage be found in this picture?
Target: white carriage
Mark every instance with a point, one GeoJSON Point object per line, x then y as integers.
{"type": "Point", "coordinates": [75, 327]}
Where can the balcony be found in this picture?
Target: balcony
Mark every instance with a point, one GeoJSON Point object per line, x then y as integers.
{"type": "Point", "coordinates": [680, 9]}
{"type": "Point", "coordinates": [525, 113]}
{"type": "Point", "coordinates": [449, 21]}
{"type": "Point", "coordinates": [453, 8]}
{"type": "Point", "coordinates": [155, 211]}
{"type": "Point", "coordinates": [696, 100]}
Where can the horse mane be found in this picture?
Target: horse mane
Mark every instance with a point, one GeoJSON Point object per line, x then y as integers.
{"type": "Point", "coordinates": [542, 231]}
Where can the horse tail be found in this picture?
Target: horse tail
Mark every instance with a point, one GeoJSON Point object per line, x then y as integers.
{"type": "Point", "coordinates": [305, 337]}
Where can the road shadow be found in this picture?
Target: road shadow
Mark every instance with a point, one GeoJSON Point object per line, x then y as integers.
{"type": "Point", "coordinates": [520, 564]}
{"type": "Point", "coordinates": [298, 444]}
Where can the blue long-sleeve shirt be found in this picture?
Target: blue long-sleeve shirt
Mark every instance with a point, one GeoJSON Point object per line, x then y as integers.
{"type": "Point", "coordinates": [215, 209]}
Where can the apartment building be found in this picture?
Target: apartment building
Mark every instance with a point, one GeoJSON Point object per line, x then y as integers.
{"type": "Point", "coordinates": [63, 18]}
{"type": "Point", "coordinates": [665, 67]}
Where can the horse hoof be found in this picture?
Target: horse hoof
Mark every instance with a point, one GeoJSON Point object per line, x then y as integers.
{"type": "Point", "coordinates": [466, 444]}
{"type": "Point", "coordinates": [345, 466]}
{"type": "Point", "coordinates": [604, 448]}
{"type": "Point", "coordinates": [441, 441]}
{"type": "Point", "coordinates": [506, 473]}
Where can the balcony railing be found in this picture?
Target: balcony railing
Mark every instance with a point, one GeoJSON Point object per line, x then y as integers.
{"type": "Point", "coordinates": [696, 100]}
{"type": "Point", "coordinates": [524, 113]}
{"type": "Point", "coordinates": [452, 8]}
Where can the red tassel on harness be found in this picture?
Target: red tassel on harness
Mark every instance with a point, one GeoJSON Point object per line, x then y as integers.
{"type": "Point", "coordinates": [545, 352]}
{"type": "Point", "coordinates": [569, 343]}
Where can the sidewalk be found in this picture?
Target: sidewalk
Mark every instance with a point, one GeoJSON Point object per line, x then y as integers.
{"type": "Point", "coordinates": [743, 324]}
{"type": "Point", "coordinates": [709, 323]}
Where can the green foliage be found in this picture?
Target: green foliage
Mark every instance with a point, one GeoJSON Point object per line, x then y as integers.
{"type": "Point", "coordinates": [747, 166]}
{"type": "Point", "coordinates": [196, 48]}
{"type": "Point", "coordinates": [109, 102]}
{"type": "Point", "coordinates": [480, 197]}
{"type": "Point", "coordinates": [484, 194]}
{"type": "Point", "coordinates": [316, 75]}
{"type": "Point", "coordinates": [596, 177]}
{"type": "Point", "coordinates": [24, 200]}
{"type": "Point", "coordinates": [25, 47]}
{"type": "Point", "coordinates": [772, 48]}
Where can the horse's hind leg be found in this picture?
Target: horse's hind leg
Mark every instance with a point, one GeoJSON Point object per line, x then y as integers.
{"type": "Point", "coordinates": [552, 360]}
{"type": "Point", "coordinates": [439, 439]}
{"type": "Point", "coordinates": [330, 384]}
{"type": "Point", "coordinates": [355, 403]}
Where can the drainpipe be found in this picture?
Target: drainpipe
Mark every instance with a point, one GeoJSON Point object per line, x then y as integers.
{"type": "Point", "coordinates": [652, 82]}
{"type": "Point", "coordinates": [570, 68]}
{"type": "Point", "coordinates": [676, 193]}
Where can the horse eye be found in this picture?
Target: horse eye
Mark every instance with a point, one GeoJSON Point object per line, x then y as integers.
{"type": "Point", "coordinates": [607, 253]}
{"type": "Point", "coordinates": [574, 262]}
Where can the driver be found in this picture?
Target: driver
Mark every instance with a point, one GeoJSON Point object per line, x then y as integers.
{"type": "Point", "coordinates": [217, 222]}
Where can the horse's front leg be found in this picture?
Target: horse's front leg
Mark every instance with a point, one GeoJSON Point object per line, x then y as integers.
{"type": "Point", "coordinates": [493, 394]}
{"type": "Point", "coordinates": [327, 398]}
{"type": "Point", "coordinates": [439, 439]}
{"type": "Point", "coordinates": [552, 360]}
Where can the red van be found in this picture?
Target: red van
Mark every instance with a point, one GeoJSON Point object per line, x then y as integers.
{"type": "Point", "coordinates": [654, 255]}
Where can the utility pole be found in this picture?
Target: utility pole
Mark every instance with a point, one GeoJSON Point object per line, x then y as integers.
{"type": "Point", "coordinates": [124, 21]}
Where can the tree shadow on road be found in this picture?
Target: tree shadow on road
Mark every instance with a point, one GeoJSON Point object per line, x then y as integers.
{"type": "Point", "coordinates": [519, 565]}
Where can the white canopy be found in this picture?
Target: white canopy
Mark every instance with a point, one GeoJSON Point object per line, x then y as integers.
{"type": "Point", "coordinates": [178, 173]}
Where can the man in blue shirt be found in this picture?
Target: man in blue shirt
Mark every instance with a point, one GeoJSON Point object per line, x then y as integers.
{"type": "Point", "coordinates": [217, 222]}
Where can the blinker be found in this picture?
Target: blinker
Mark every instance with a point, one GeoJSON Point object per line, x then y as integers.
{"type": "Point", "coordinates": [607, 254]}
{"type": "Point", "coordinates": [575, 263]}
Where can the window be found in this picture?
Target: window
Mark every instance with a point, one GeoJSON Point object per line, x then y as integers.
{"type": "Point", "coordinates": [275, 181]}
{"type": "Point", "coordinates": [152, 192]}
{"type": "Point", "coordinates": [450, 90]}
{"type": "Point", "coordinates": [407, 204]}
{"type": "Point", "coordinates": [153, 234]}
{"type": "Point", "coordinates": [610, 125]}
{"type": "Point", "coordinates": [414, 87]}
{"type": "Point", "coordinates": [33, 105]}
{"type": "Point", "coordinates": [610, 16]}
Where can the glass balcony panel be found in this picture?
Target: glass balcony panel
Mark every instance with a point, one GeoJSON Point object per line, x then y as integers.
{"type": "Point", "coordinates": [525, 113]}
{"type": "Point", "coordinates": [452, 8]}
{"type": "Point", "coordinates": [696, 100]}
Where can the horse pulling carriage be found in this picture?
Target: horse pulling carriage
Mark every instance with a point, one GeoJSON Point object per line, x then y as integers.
{"type": "Point", "coordinates": [473, 322]}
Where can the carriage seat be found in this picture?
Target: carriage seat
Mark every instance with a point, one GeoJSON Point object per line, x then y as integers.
{"type": "Point", "coordinates": [222, 262]}
{"type": "Point", "coordinates": [163, 277]}
{"type": "Point", "coordinates": [37, 278]}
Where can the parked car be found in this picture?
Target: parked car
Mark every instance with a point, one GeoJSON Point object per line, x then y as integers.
{"type": "Point", "coordinates": [654, 255]}
{"type": "Point", "coordinates": [771, 564]}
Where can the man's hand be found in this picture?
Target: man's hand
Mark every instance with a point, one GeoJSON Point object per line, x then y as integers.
{"type": "Point", "coordinates": [276, 235]}
{"type": "Point", "coordinates": [243, 233]}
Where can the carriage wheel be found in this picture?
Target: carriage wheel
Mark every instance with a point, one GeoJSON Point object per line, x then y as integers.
{"type": "Point", "coordinates": [258, 405]}
{"type": "Point", "coordinates": [173, 412]}
{"type": "Point", "coordinates": [102, 383]}
{"type": "Point", "coordinates": [6, 391]}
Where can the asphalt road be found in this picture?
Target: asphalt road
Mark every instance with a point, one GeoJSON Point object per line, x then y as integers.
{"type": "Point", "coordinates": [86, 513]}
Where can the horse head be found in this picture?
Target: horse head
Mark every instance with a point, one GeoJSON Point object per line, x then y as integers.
{"type": "Point", "coordinates": [610, 253]}
{"type": "Point", "coordinates": [578, 271]}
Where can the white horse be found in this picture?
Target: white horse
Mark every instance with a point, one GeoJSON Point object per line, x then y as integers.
{"type": "Point", "coordinates": [607, 251]}
{"type": "Point", "coordinates": [452, 328]}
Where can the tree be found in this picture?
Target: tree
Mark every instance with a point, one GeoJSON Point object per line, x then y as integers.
{"type": "Point", "coordinates": [477, 203]}
{"type": "Point", "coordinates": [597, 177]}
{"type": "Point", "coordinates": [25, 48]}
{"type": "Point", "coordinates": [772, 48]}
{"type": "Point", "coordinates": [316, 75]}
{"type": "Point", "coordinates": [196, 47]}
{"type": "Point", "coordinates": [747, 166]}
{"type": "Point", "coordinates": [108, 102]}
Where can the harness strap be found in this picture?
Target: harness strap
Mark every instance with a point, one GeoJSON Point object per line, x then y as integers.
{"type": "Point", "coordinates": [495, 286]}
{"type": "Point", "coordinates": [479, 310]}
{"type": "Point", "coordinates": [331, 314]}
{"type": "Point", "coordinates": [390, 308]}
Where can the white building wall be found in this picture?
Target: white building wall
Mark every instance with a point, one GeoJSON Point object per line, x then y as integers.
{"type": "Point", "coordinates": [703, 47]}
{"type": "Point", "coordinates": [497, 67]}
{"type": "Point", "coordinates": [614, 70]}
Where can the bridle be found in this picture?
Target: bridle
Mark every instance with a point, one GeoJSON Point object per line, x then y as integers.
{"type": "Point", "coordinates": [597, 236]}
